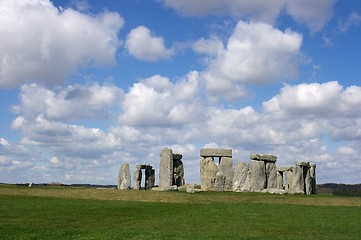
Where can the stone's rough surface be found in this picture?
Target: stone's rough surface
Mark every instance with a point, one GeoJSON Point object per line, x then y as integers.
{"type": "Point", "coordinates": [241, 172]}
{"type": "Point", "coordinates": [149, 177]}
{"type": "Point", "coordinates": [137, 177]}
{"type": "Point", "coordinates": [220, 181]}
{"type": "Point", "coordinates": [208, 172]}
{"type": "Point", "coordinates": [263, 157]}
{"type": "Point", "coordinates": [301, 163]}
{"type": "Point", "coordinates": [215, 152]}
{"type": "Point", "coordinates": [308, 181]}
{"type": "Point", "coordinates": [226, 167]}
{"type": "Point", "coordinates": [178, 173]}
{"type": "Point", "coordinates": [177, 156]}
{"type": "Point", "coordinates": [166, 169]}
{"type": "Point", "coordinates": [124, 178]}
{"type": "Point", "coordinates": [271, 175]}
{"type": "Point", "coordinates": [258, 178]}
{"type": "Point", "coordinates": [284, 169]}
{"type": "Point", "coordinates": [279, 180]}
{"type": "Point", "coordinates": [313, 177]}
{"type": "Point", "coordinates": [289, 179]}
{"type": "Point", "coordinates": [298, 183]}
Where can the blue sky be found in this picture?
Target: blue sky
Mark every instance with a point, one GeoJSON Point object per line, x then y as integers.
{"type": "Point", "coordinates": [86, 86]}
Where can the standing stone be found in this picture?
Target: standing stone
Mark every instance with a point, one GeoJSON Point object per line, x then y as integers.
{"type": "Point", "coordinates": [149, 177]}
{"type": "Point", "coordinates": [289, 179]}
{"type": "Point", "coordinates": [298, 181]}
{"type": "Point", "coordinates": [313, 177]}
{"type": "Point", "coordinates": [226, 167]}
{"type": "Point", "coordinates": [220, 181]}
{"type": "Point", "coordinates": [178, 174]}
{"type": "Point", "coordinates": [258, 180]}
{"type": "Point", "coordinates": [271, 175]}
{"type": "Point", "coordinates": [240, 176]}
{"type": "Point", "coordinates": [280, 180]}
{"type": "Point", "coordinates": [124, 179]}
{"type": "Point", "coordinates": [308, 181]}
{"type": "Point", "coordinates": [137, 177]}
{"type": "Point", "coordinates": [166, 169]}
{"type": "Point", "coordinates": [208, 172]}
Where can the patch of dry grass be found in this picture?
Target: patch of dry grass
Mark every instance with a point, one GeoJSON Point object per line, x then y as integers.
{"type": "Point", "coordinates": [179, 197]}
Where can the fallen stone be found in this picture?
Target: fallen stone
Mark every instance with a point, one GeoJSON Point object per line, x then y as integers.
{"type": "Point", "coordinates": [216, 152]}
{"type": "Point", "coordinates": [263, 157]}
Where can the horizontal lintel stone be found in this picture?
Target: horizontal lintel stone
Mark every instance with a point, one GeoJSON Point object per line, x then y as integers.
{"type": "Point", "coordinates": [216, 152]}
{"type": "Point", "coordinates": [263, 157]}
{"type": "Point", "coordinates": [301, 163]}
{"type": "Point", "coordinates": [284, 169]}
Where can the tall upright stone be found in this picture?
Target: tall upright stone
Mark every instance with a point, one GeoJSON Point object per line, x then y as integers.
{"type": "Point", "coordinates": [241, 179]}
{"type": "Point", "coordinates": [149, 177]}
{"type": "Point", "coordinates": [220, 183]}
{"type": "Point", "coordinates": [258, 180]}
{"type": "Point", "coordinates": [124, 178]}
{"type": "Point", "coordinates": [313, 178]}
{"type": "Point", "coordinates": [271, 175]}
{"type": "Point", "coordinates": [226, 167]}
{"type": "Point", "coordinates": [137, 177]}
{"type": "Point", "coordinates": [208, 172]}
{"type": "Point", "coordinates": [280, 180]}
{"type": "Point", "coordinates": [299, 174]}
{"type": "Point", "coordinates": [166, 169]}
{"type": "Point", "coordinates": [178, 173]}
{"type": "Point", "coordinates": [289, 179]}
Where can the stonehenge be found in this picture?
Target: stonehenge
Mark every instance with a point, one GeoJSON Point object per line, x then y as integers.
{"type": "Point", "coordinates": [217, 174]}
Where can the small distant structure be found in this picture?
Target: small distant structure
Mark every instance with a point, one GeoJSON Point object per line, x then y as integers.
{"type": "Point", "coordinates": [31, 184]}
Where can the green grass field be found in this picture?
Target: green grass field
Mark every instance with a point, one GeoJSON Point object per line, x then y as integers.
{"type": "Point", "coordinates": [85, 213]}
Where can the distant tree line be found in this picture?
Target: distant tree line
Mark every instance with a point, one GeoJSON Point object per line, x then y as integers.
{"type": "Point", "coordinates": [340, 189]}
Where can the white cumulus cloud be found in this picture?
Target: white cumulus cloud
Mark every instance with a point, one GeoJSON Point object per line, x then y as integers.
{"type": "Point", "coordinates": [255, 53]}
{"type": "Point", "coordinates": [143, 44]}
{"type": "Point", "coordinates": [314, 14]}
{"type": "Point", "coordinates": [53, 42]}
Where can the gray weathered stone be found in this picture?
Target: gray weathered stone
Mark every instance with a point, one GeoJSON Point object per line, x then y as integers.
{"type": "Point", "coordinates": [298, 182]}
{"type": "Point", "coordinates": [177, 156]}
{"type": "Point", "coordinates": [220, 181]}
{"type": "Point", "coordinates": [284, 169]}
{"type": "Point", "coordinates": [137, 177]}
{"type": "Point", "coordinates": [263, 157]}
{"type": "Point", "coordinates": [258, 178]}
{"type": "Point", "coordinates": [149, 177]}
{"type": "Point", "coordinates": [271, 175]}
{"type": "Point", "coordinates": [178, 172]}
{"type": "Point", "coordinates": [216, 152]}
{"type": "Point", "coordinates": [289, 179]}
{"type": "Point", "coordinates": [208, 172]}
{"type": "Point", "coordinates": [313, 178]}
{"type": "Point", "coordinates": [124, 178]}
{"type": "Point", "coordinates": [241, 171]}
{"type": "Point", "coordinates": [301, 163]}
{"type": "Point", "coordinates": [166, 169]}
{"type": "Point", "coordinates": [226, 167]}
{"type": "Point", "coordinates": [280, 180]}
